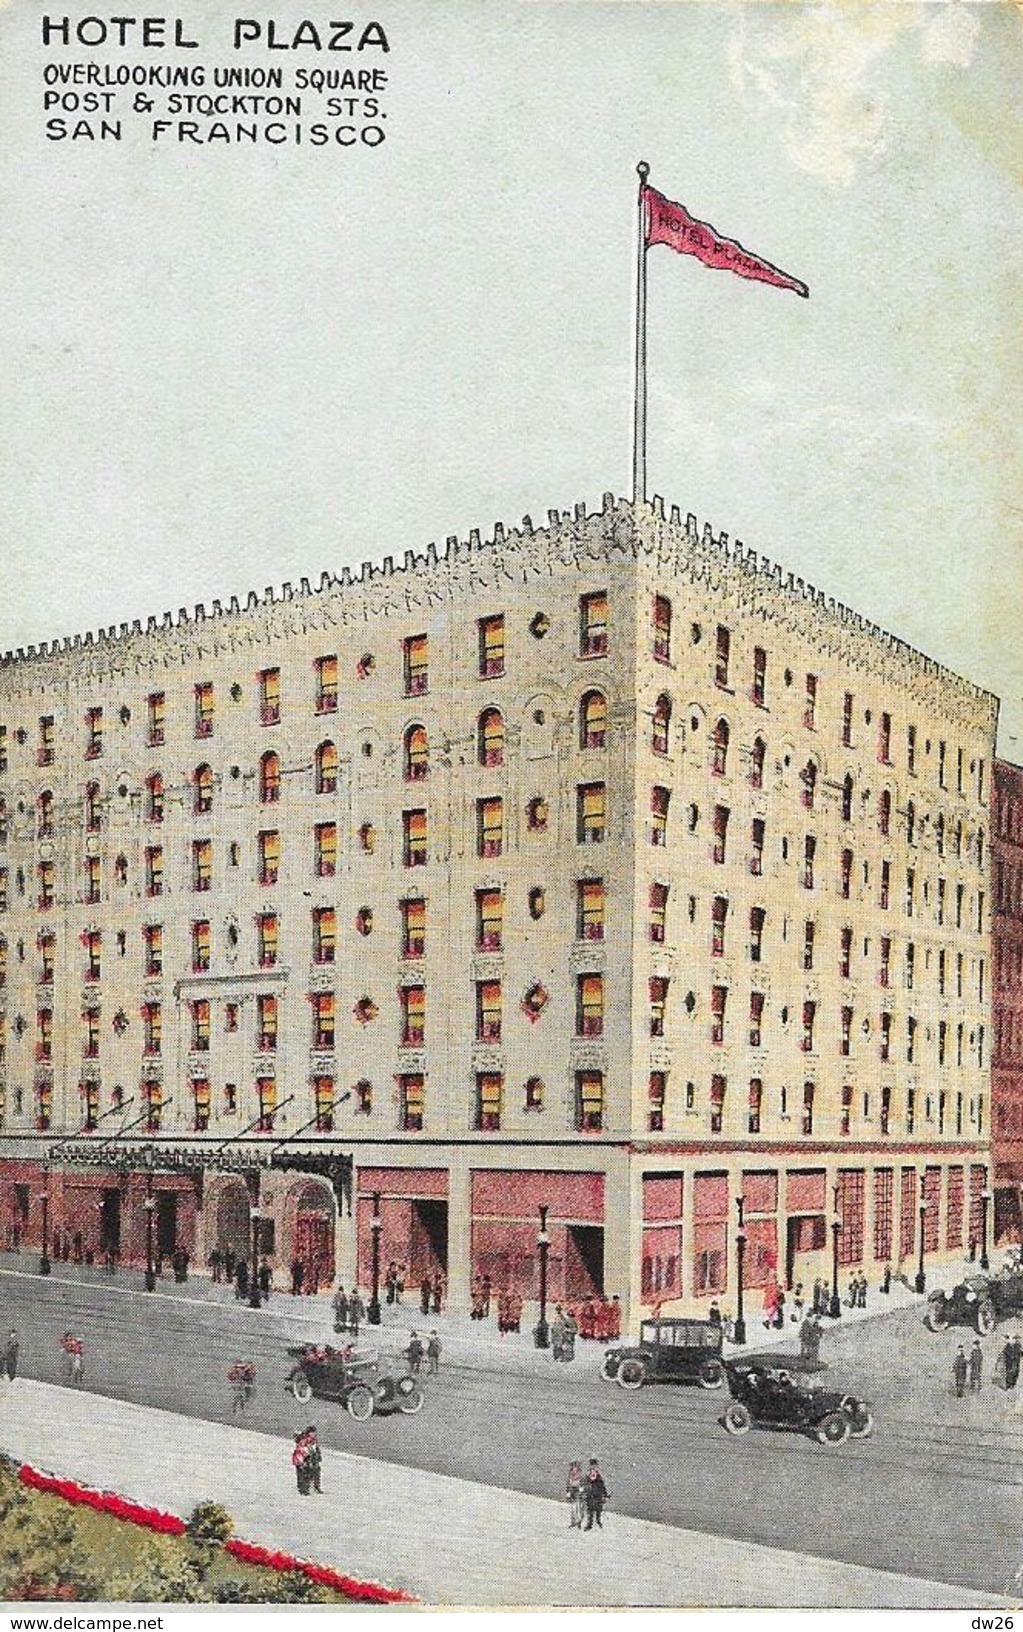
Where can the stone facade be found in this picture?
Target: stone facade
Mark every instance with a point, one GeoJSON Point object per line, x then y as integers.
{"type": "Point", "coordinates": [579, 866]}
{"type": "Point", "coordinates": [1007, 998]}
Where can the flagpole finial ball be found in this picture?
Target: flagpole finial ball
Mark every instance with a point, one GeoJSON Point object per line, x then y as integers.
{"type": "Point", "coordinates": [642, 170]}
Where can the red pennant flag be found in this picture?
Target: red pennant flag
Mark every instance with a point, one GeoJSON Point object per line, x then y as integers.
{"type": "Point", "coordinates": [671, 224]}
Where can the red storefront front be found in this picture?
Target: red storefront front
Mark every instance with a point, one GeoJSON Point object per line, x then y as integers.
{"type": "Point", "coordinates": [505, 1226]}
{"type": "Point", "coordinates": [413, 1219]}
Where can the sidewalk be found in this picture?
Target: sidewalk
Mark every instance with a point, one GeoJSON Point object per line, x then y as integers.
{"type": "Point", "coordinates": [447, 1541]}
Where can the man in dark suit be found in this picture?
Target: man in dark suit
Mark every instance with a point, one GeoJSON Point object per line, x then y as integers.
{"type": "Point", "coordinates": [11, 1356]}
{"type": "Point", "coordinates": [596, 1495]}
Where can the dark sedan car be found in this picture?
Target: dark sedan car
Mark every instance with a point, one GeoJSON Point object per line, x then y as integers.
{"type": "Point", "coordinates": [980, 1301]}
{"type": "Point", "coordinates": [779, 1396]}
{"type": "Point", "coordinates": [668, 1351]}
{"type": "Point", "coordinates": [354, 1379]}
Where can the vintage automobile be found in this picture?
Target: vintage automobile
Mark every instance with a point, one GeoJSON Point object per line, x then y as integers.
{"type": "Point", "coordinates": [354, 1378]}
{"type": "Point", "coordinates": [668, 1351]}
{"type": "Point", "coordinates": [773, 1395]}
{"type": "Point", "coordinates": [980, 1301]}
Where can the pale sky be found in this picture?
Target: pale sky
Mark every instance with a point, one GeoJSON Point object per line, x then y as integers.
{"type": "Point", "coordinates": [224, 367]}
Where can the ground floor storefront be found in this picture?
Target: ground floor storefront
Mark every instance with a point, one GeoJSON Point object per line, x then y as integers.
{"type": "Point", "coordinates": [655, 1226]}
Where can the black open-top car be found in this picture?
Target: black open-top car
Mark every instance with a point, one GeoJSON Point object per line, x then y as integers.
{"type": "Point", "coordinates": [780, 1396]}
{"type": "Point", "coordinates": [668, 1351]}
{"type": "Point", "coordinates": [354, 1378]}
{"type": "Point", "coordinates": [980, 1301]}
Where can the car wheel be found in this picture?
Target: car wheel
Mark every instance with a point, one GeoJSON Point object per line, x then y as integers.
{"type": "Point", "coordinates": [360, 1403]}
{"type": "Point", "coordinates": [632, 1374]}
{"type": "Point", "coordinates": [412, 1403]}
{"type": "Point", "coordinates": [300, 1386]}
{"type": "Point", "coordinates": [987, 1320]}
{"type": "Point", "coordinates": [609, 1367]}
{"type": "Point", "coordinates": [737, 1419]}
{"type": "Point", "coordinates": [833, 1429]}
{"type": "Point", "coordinates": [937, 1317]}
{"type": "Point", "coordinates": [862, 1422]}
{"type": "Point", "coordinates": [712, 1374]}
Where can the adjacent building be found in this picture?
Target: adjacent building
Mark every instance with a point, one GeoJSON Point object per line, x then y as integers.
{"type": "Point", "coordinates": [1007, 999]}
{"type": "Point", "coordinates": [599, 866]}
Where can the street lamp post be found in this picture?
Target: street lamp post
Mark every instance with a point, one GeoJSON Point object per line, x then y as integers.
{"type": "Point", "coordinates": [835, 1306]}
{"type": "Point", "coordinates": [256, 1215]}
{"type": "Point", "coordinates": [541, 1331]}
{"type": "Point", "coordinates": [985, 1201]}
{"type": "Point", "coordinates": [921, 1279]}
{"type": "Point", "coordinates": [375, 1226]}
{"type": "Point", "coordinates": [739, 1328]}
{"type": "Point", "coordinates": [44, 1256]}
{"type": "Point", "coordinates": [150, 1205]}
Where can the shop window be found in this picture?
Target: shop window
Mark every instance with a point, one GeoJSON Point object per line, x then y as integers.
{"type": "Point", "coordinates": [413, 928]}
{"type": "Point", "coordinates": [204, 708]}
{"type": "Point", "coordinates": [413, 1016]}
{"type": "Point", "coordinates": [490, 737]}
{"type": "Point", "coordinates": [270, 696]}
{"type": "Point", "coordinates": [416, 662]}
{"type": "Point", "coordinates": [660, 739]}
{"type": "Point", "coordinates": [589, 1005]}
{"type": "Point", "coordinates": [658, 911]}
{"type": "Point", "coordinates": [323, 1019]}
{"type": "Point", "coordinates": [490, 827]}
{"type": "Point", "coordinates": [417, 754]}
{"type": "Point", "coordinates": [325, 768]}
{"type": "Point", "coordinates": [325, 849]}
{"type": "Point", "coordinates": [200, 946]}
{"type": "Point", "coordinates": [590, 909]}
{"type": "Point", "coordinates": [266, 939]}
{"type": "Point", "coordinates": [203, 781]}
{"type": "Point", "coordinates": [593, 720]}
{"type": "Point", "coordinates": [414, 838]}
{"type": "Point", "coordinates": [656, 1094]}
{"type": "Point", "coordinates": [324, 934]}
{"type": "Point", "coordinates": [488, 1011]}
{"type": "Point", "coordinates": [662, 628]}
{"type": "Point", "coordinates": [489, 920]}
{"type": "Point", "coordinates": [660, 801]}
{"type": "Point", "coordinates": [326, 685]}
{"type": "Point", "coordinates": [491, 647]}
{"type": "Point", "coordinates": [269, 778]}
{"type": "Point", "coordinates": [269, 851]}
{"type": "Point", "coordinates": [593, 624]}
{"type": "Point", "coordinates": [591, 813]}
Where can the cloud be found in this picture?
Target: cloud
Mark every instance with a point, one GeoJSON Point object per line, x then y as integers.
{"type": "Point", "coordinates": [820, 74]}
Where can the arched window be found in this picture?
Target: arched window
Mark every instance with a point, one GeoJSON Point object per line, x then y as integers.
{"type": "Point", "coordinates": [809, 783]}
{"type": "Point", "coordinates": [884, 812]}
{"type": "Point", "coordinates": [269, 778]}
{"type": "Point", "coordinates": [154, 797]}
{"type": "Point", "coordinates": [417, 753]}
{"type": "Point", "coordinates": [326, 768]}
{"type": "Point", "coordinates": [92, 808]}
{"type": "Point", "coordinates": [45, 815]}
{"type": "Point", "coordinates": [847, 797]}
{"type": "Point", "coordinates": [719, 758]}
{"type": "Point", "coordinates": [593, 720]}
{"type": "Point", "coordinates": [661, 733]}
{"type": "Point", "coordinates": [203, 790]}
{"type": "Point", "coordinates": [490, 737]}
{"type": "Point", "coordinates": [756, 762]}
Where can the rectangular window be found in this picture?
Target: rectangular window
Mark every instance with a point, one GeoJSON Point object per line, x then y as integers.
{"type": "Point", "coordinates": [201, 1025]}
{"type": "Point", "coordinates": [152, 1028]}
{"type": "Point", "coordinates": [412, 1096]}
{"type": "Point", "coordinates": [323, 1102]}
{"type": "Point", "coordinates": [325, 849]}
{"type": "Point", "coordinates": [722, 655]}
{"type": "Point", "coordinates": [201, 946]}
{"type": "Point", "coordinates": [886, 1036]}
{"type": "Point", "coordinates": [590, 909]}
{"type": "Point", "coordinates": [154, 869]}
{"type": "Point", "coordinates": [718, 1087]}
{"type": "Point", "coordinates": [93, 733]}
{"type": "Point", "coordinates": [884, 740]}
{"type": "Point", "coordinates": [808, 1099]}
{"type": "Point", "coordinates": [593, 622]}
{"type": "Point", "coordinates": [810, 706]}
{"type": "Point", "coordinates": [886, 883]}
{"type": "Point", "coordinates": [417, 665]}
{"type": "Point", "coordinates": [845, 956]}
{"type": "Point", "coordinates": [323, 1019]}
{"type": "Point", "coordinates": [757, 918]}
{"type": "Point", "coordinates": [718, 1002]}
{"type": "Point", "coordinates": [152, 1098]}
{"type": "Point", "coordinates": [662, 628]}
{"type": "Point", "coordinates": [490, 827]}
{"type": "Point", "coordinates": [414, 838]}
{"type": "Point", "coordinates": [656, 1095]}
{"type": "Point", "coordinates": [93, 939]}
{"type": "Point", "coordinates": [660, 799]}
{"type": "Point", "coordinates": [90, 1045]}
{"type": "Point", "coordinates": [941, 764]}
{"type": "Point", "coordinates": [3, 747]}
{"type": "Point", "coordinates": [758, 690]}
{"type": "Point", "coordinates": [204, 708]}
{"type": "Point", "coordinates": [202, 864]}
{"type": "Point", "coordinates": [413, 928]}
{"type": "Point", "coordinates": [886, 953]}
{"type": "Point", "coordinates": [413, 1016]}
{"type": "Point", "coordinates": [591, 814]}
{"type": "Point", "coordinates": [324, 934]}
{"type": "Point", "coordinates": [266, 1023]}
{"type": "Point", "coordinates": [809, 1016]}
{"type": "Point", "coordinates": [658, 911]}
{"type": "Point", "coordinates": [589, 1101]}
{"type": "Point", "coordinates": [910, 1039]}
{"type": "Point", "coordinates": [44, 754]}
{"type": "Point", "coordinates": [845, 874]}
{"type": "Point", "coordinates": [491, 647]}
{"type": "Point", "coordinates": [721, 815]}
{"type": "Point", "coordinates": [47, 955]}
{"type": "Point", "coordinates": [489, 920]}
{"type": "Point", "coordinates": [489, 1094]}
{"type": "Point", "coordinates": [756, 1018]}
{"type": "Point", "coordinates": [269, 850]}
{"type": "Point", "coordinates": [589, 1005]}
{"type": "Point", "coordinates": [92, 878]}
{"type": "Point", "coordinates": [809, 852]}
{"type": "Point", "coordinates": [44, 1034]}
{"type": "Point", "coordinates": [270, 696]}
{"type": "Point", "coordinates": [718, 916]}
{"type": "Point", "coordinates": [488, 1011]}
{"type": "Point", "coordinates": [847, 719]}
{"type": "Point", "coordinates": [756, 1100]}
{"type": "Point", "coordinates": [266, 1098]}
{"type": "Point", "coordinates": [326, 685]}
{"type": "Point", "coordinates": [266, 939]}
{"type": "Point", "coordinates": [847, 1019]}
{"type": "Point", "coordinates": [156, 718]}
{"type": "Point", "coordinates": [201, 1104]}
{"type": "Point", "coordinates": [658, 989]}
{"type": "Point", "coordinates": [756, 865]}
{"type": "Point", "coordinates": [809, 936]}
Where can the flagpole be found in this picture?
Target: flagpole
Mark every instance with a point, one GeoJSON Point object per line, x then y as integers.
{"type": "Point", "coordinates": [639, 388]}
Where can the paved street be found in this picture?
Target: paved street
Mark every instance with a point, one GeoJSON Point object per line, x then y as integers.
{"type": "Point", "coordinates": [935, 1492]}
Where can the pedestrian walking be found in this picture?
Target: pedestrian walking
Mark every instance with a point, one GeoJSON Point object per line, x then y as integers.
{"type": "Point", "coordinates": [861, 1292]}
{"type": "Point", "coordinates": [74, 1359]}
{"type": "Point", "coordinates": [557, 1332]}
{"type": "Point", "coordinates": [810, 1334]}
{"type": "Point", "coordinates": [11, 1349]}
{"type": "Point", "coordinates": [391, 1282]}
{"type": "Point", "coordinates": [414, 1354]}
{"type": "Point", "coordinates": [714, 1313]}
{"type": "Point", "coordinates": [265, 1280]}
{"type": "Point", "coordinates": [486, 1286]}
{"type": "Point", "coordinates": [314, 1459]}
{"type": "Point", "coordinates": [425, 1294]}
{"type": "Point", "coordinates": [1011, 1356]}
{"type": "Point", "coordinates": [437, 1292]}
{"type": "Point", "coordinates": [798, 1303]}
{"type": "Point", "coordinates": [959, 1371]}
{"type": "Point", "coordinates": [300, 1463]}
{"type": "Point", "coordinates": [241, 1280]}
{"type": "Point", "coordinates": [229, 1265]}
{"type": "Point", "coordinates": [399, 1284]}
{"type": "Point", "coordinates": [433, 1355]}
{"type": "Point", "coordinates": [886, 1279]}
{"type": "Point", "coordinates": [976, 1366]}
{"type": "Point", "coordinates": [569, 1336]}
{"type": "Point", "coordinates": [575, 1491]}
{"type": "Point", "coordinates": [779, 1307]}
{"type": "Point", "coordinates": [241, 1375]}
{"type": "Point", "coordinates": [297, 1277]}
{"type": "Point", "coordinates": [597, 1495]}
{"type": "Point", "coordinates": [216, 1262]}
{"type": "Point", "coordinates": [356, 1312]}
{"type": "Point", "coordinates": [340, 1306]}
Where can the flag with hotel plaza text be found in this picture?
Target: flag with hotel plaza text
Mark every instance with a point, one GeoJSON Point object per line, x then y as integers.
{"type": "Point", "coordinates": [671, 224]}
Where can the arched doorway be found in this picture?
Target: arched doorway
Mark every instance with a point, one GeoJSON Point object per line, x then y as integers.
{"type": "Point", "coordinates": [233, 1219]}
{"type": "Point", "coordinates": [312, 1233]}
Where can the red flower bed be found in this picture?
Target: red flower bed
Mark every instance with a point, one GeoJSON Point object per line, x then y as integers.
{"type": "Point", "coordinates": [168, 1524]}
